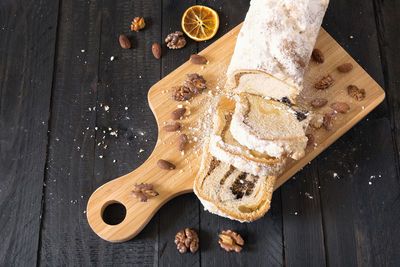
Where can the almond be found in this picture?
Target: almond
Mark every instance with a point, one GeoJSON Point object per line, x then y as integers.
{"type": "Point", "coordinates": [172, 127]}
{"type": "Point", "coordinates": [328, 120]}
{"type": "Point", "coordinates": [178, 113]}
{"type": "Point", "coordinates": [156, 49]}
{"type": "Point", "coordinates": [310, 140]}
{"type": "Point", "coordinates": [319, 102]}
{"type": "Point", "coordinates": [124, 41]}
{"type": "Point", "coordinates": [318, 56]}
{"type": "Point", "coordinates": [182, 141]}
{"type": "Point", "coordinates": [165, 165]}
{"type": "Point", "coordinates": [346, 67]}
{"type": "Point", "coordinates": [197, 59]}
{"type": "Point", "coordinates": [340, 107]}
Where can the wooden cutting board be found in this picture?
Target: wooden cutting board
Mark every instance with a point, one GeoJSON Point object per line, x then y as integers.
{"type": "Point", "coordinates": [170, 184]}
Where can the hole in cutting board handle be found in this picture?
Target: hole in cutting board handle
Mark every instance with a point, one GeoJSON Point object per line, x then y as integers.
{"type": "Point", "coordinates": [113, 213]}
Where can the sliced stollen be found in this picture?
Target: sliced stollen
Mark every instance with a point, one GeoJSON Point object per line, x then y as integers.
{"type": "Point", "coordinates": [274, 47]}
{"type": "Point", "coordinates": [228, 192]}
{"type": "Point", "coordinates": [269, 126]}
{"type": "Point", "coordinates": [225, 148]}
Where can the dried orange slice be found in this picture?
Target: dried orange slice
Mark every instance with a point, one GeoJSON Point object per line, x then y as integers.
{"type": "Point", "coordinates": [200, 23]}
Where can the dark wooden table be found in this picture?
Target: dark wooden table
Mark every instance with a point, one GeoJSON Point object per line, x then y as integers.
{"type": "Point", "coordinates": [343, 209]}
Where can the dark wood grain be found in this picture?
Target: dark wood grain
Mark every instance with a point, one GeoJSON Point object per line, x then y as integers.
{"type": "Point", "coordinates": [352, 25]}
{"type": "Point", "coordinates": [360, 197]}
{"type": "Point", "coordinates": [386, 16]}
{"type": "Point", "coordinates": [26, 65]}
{"type": "Point", "coordinates": [302, 219]}
{"type": "Point", "coordinates": [303, 232]}
{"type": "Point", "coordinates": [57, 76]}
{"type": "Point", "coordinates": [183, 211]}
{"type": "Point", "coordinates": [85, 83]}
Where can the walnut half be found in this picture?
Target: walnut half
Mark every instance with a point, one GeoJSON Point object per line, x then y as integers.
{"type": "Point", "coordinates": [231, 241]}
{"type": "Point", "coordinates": [137, 24]}
{"type": "Point", "coordinates": [175, 40]}
{"type": "Point", "coordinates": [187, 239]}
{"type": "Point", "coordinates": [143, 191]}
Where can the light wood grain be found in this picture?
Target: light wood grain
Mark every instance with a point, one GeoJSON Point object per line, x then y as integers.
{"type": "Point", "coordinates": [175, 182]}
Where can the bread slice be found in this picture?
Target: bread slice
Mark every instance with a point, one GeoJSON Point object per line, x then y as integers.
{"type": "Point", "coordinates": [274, 47]}
{"type": "Point", "coordinates": [228, 192]}
{"type": "Point", "coordinates": [225, 148]}
{"type": "Point", "coordinates": [269, 126]}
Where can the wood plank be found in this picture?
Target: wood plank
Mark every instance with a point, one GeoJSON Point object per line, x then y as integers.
{"type": "Point", "coordinates": [360, 197]}
{"type": "Point", "coordinates": [303, 232]}
{"type": "Point", "coordinates": [83, 81]}
{"type": "Point", "coordinates": [352, 26]}
{"type": "Point", "coordinates": [386, 16]}
{"type": "Point", "coordinates": [263, 239]}
{"type": "Point", "coordinates": [257, 251]}
{"type": "Point", "coordinates": [302, 219]}
{"type": "Point", "coordinates": [182, 211]}
{"type": "Point", "coordinates": [27, 45]}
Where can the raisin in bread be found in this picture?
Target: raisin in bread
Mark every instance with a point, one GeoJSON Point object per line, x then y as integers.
{"type": "Point", "coordinates": [269, 126]}
{"type": "Point", "coordinates": [225, 148]}
{"type": "Point", "coordinates": [229, 192]}
{"type": "Point", "coordinates": [274, 46]}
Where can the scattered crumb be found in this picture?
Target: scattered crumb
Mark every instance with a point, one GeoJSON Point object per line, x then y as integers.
{"type": "Point", "coordinates": [106, 108]}
{"type": "Point", "coordinates": [112, 58]}
{"type": "Point", "coordinates": [308, 195]}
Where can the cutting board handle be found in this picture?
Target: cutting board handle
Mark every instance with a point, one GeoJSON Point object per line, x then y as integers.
{"type": "Point", "coordinates": [109, 203]}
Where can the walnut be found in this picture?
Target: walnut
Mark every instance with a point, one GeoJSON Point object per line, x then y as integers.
{"type": "Point", "coordinates": [143, 191]}
{"type": "Point", "coordinates": [175, 40]}
{"type": "Point", "coordinates": [231, 241]}
{"type": "Point", "coordinates": [317, 119]}
{"type": "Point", "coordinates": [180, 93]}
{"type": "Point", "coordinates": [356, 93]}
{"type": "Point", "coordinates": [137, 24]}
{"type": "Point", "coordinates": [195, 83]}
{"type": "Point", "coordinates": [187, 239]}
{"type": "Point", "coordinates": [324, 83]}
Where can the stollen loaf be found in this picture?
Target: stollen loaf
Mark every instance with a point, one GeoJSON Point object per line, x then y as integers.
{"type": "Point", "coordinates": [274, 46]}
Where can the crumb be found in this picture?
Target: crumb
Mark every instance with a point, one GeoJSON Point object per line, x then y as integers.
{"type": "Point", "coordinates": [141, 150]}
{"type": "Point", "coordinates": [114, 161]}
{"type": "Point", "coordinates": [83, 50]}
{"type": "Point", "coordinates": [112, 58]}
{"type": "Point", "coordinates": [308, 195]}
{"type": "Point", "coordinates": [126, 108]}
{"type": "Point", "coordinates": [101, 156]}
{"type": "Point", "coordinates": [106, 108]}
